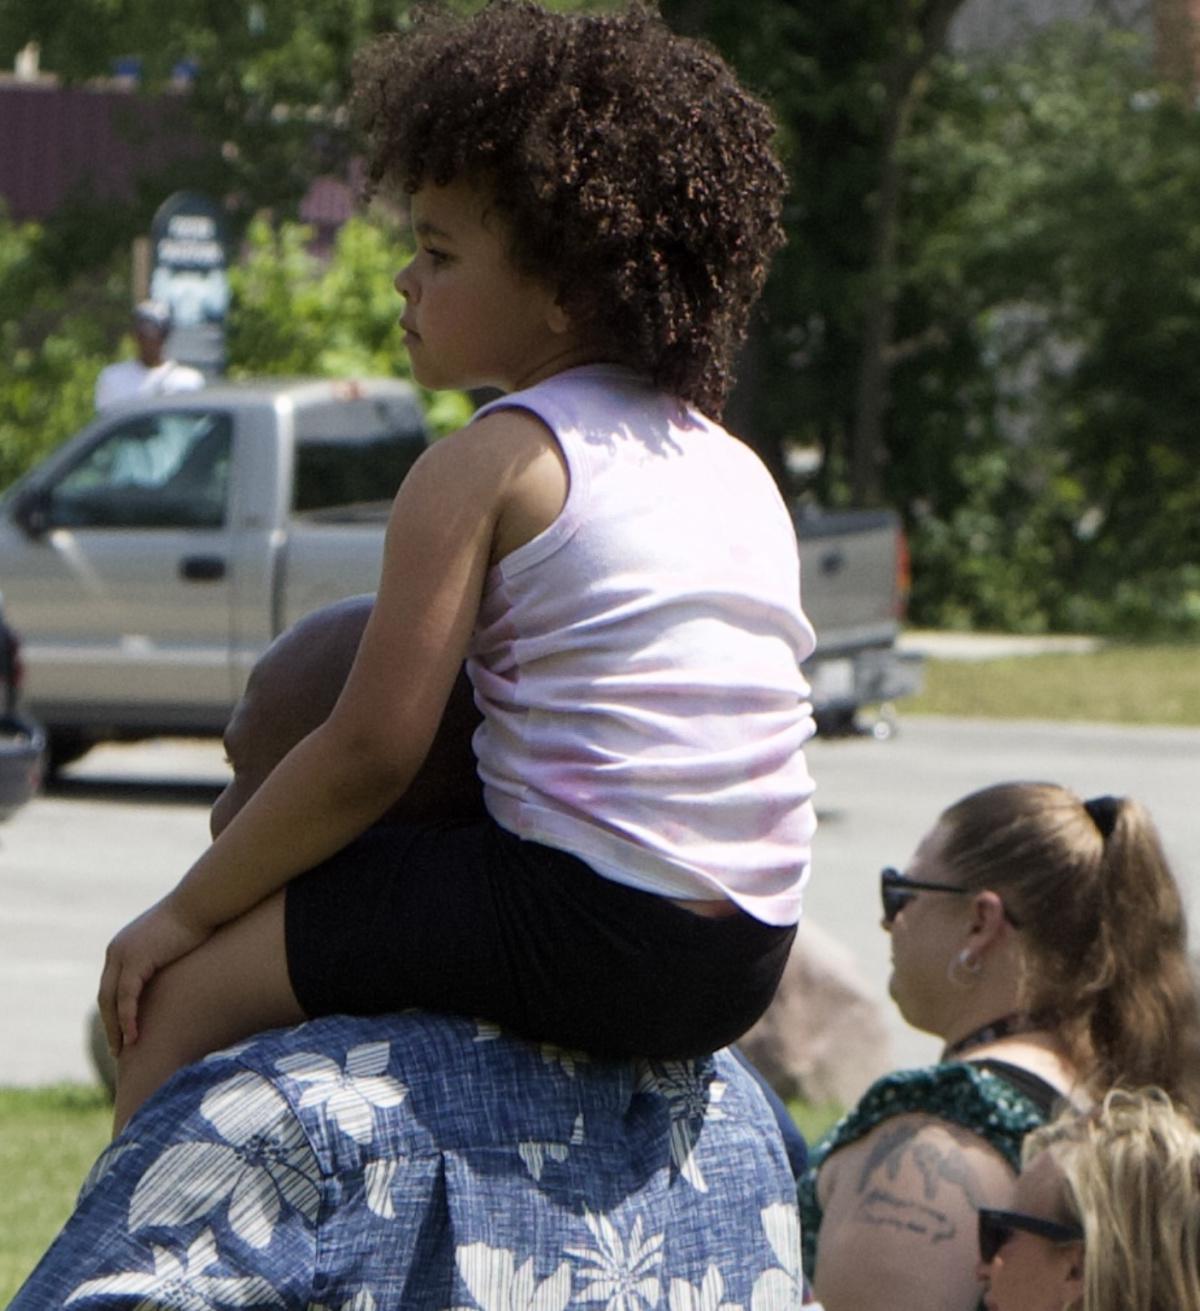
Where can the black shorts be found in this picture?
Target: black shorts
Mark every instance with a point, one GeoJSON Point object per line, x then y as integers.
{"type": "Point", "coordinates": [468, 919]}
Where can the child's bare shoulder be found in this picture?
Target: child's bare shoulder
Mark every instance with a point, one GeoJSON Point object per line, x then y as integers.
{"type": "Point", "coordinates": [498, 439]}
{"type": "Point", "coordinates": [507, 461]}
{"type": "Point", "coordinates": [530, 473]}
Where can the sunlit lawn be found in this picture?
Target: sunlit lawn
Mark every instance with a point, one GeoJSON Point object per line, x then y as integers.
{"type": "Point", "coordinates": [1117, 684]}
{"type": "Point", "coordinates": [814, 1117]}
{"type": "Point", "coordinates": [49, 1138]}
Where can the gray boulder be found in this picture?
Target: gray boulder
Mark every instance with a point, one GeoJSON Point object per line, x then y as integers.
{"type": "Point", "coordinates": [824, 1038]}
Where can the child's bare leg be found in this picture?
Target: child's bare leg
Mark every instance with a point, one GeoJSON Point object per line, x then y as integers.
{"type": "Point", "coordinates": [234, 985]}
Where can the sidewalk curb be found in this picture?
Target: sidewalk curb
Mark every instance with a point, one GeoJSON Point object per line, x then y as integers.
{"type": "Point", "coordinates": [937, 645]}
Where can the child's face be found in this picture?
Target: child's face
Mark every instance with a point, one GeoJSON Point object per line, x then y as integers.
{"type": "Point", "coordinates": [470, 318]}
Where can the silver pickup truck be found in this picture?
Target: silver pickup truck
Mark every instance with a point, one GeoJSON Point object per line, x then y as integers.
{"type": "Point", "coordinates": [150, 559]}
{"type": "Point", "coordinates": [854, 581]}
{"type": "Point", "coordinates": [22, 741]}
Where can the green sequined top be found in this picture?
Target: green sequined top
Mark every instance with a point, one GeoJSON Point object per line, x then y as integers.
{"type": "Point", "coordinates": [969, 1095]}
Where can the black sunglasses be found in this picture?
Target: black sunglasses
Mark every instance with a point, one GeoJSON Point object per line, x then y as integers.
{"type": "Point", "coordinates": [897, 890]}
{"type": "Point", "coordinates": [997, 1227]}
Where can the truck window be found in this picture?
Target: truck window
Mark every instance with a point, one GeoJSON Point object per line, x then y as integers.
{"type": "Point", "coordinates": [167, 470]}
{"type": "Point", "coordinates": [354, 453]}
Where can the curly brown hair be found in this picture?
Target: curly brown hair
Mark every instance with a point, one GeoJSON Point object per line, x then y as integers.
{"type": "Point", "coordinates": [636, 175]}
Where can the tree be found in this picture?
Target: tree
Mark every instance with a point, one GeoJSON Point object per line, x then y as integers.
{"type": "Point", "coordinates": [920, 35]}
{"type": "Point", "coordinates": [53, 341]}
{"type": "Point", "coordinates": [267, 79]}
{"type": "Point", "coordinates": [296, 314]}
{"type": "Point", "coordinates": [1044, 446]}
{"type": "Point", "coordinates": [986, 311]}
{"type": "Point", "coordinates": [844, 81]}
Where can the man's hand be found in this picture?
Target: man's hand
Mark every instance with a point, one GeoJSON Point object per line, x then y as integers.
{"type": "Point", "coordinates": [157, 937]}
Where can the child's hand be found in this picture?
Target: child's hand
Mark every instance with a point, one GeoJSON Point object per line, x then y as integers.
{"type": "Point", "coordinates": [157, 937]}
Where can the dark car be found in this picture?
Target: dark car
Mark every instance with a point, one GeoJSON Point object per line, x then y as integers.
{"type": "Point", "coordinates": [22, 741]}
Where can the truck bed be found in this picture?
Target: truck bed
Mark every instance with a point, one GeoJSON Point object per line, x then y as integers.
{"type": "Point", "coordinates": [853, 586]}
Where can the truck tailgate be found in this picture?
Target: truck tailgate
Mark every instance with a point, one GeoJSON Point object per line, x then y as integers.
{"type": "Point", "coordinates": [328, 556]}
{"type": "Point", "coordinates": [850, 576]}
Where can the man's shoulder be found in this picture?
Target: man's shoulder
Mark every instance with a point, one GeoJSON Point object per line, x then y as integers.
{"type": "Point", "coordinates": [182, 377]}
{"type": "Point", "coordinates": [437, 1083]}
{"type": "Point", "coordinates": [426, 1047]}
{"type": "Point", "coordinates": [116, 382]}
{"type": "Point", "coordinates": [122, 369]}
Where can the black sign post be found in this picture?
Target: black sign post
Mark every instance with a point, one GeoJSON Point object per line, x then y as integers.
{"type": "Point", "coordinates": [189, 259]}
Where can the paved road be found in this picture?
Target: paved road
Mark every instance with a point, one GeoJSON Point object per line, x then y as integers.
{"type": "Point", "coordinates": [75, 865]}
{"type": "Point", "coordinates": [79, 862]}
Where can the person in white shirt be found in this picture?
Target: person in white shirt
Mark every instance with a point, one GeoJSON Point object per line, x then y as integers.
{"type": "Point", "coordinates": [151, 373]}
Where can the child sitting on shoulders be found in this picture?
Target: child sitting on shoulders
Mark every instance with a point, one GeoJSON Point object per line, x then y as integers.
{"type": "Point", "coordinates": [594, 201]}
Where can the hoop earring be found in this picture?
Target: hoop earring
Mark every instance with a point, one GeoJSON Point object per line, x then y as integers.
{"type": "Point", "coordinates": [964, 969]}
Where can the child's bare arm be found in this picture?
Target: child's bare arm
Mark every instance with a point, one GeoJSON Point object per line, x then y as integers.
{"type": "Point", "coordinates": [460, 499]}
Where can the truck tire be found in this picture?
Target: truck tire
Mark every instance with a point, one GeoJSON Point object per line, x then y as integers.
{"type": "Point", "coordinates": [836, 723]}
{"type": "Point", "coordinates": [64, 746]}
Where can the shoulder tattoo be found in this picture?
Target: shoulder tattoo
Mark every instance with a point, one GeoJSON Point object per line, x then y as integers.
{"type": "Point", "coordinates": [935, 1165]}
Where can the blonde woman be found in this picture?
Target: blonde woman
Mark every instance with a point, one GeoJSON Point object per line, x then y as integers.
{"type": "Point", "coordinates": [1042, 937]}
{"type": "Point", "coordinates": [1106, 1215]}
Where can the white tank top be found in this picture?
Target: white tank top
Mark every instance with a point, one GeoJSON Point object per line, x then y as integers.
{"type": "Point", "coordinates": [638, 662]}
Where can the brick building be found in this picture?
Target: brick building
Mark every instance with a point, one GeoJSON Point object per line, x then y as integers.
{"type": "Point", "coordinates": [93, 140]}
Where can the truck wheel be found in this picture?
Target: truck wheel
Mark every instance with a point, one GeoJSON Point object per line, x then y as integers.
{"type": "Point", "coordinates": [64, 746]}
{"type": "Point", "coordinates": [835, 723]}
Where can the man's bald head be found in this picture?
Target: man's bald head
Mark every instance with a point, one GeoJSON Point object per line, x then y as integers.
{"type": "Point", "coordinates": [294, 687]}
{"type": "Point", "coordinates": [300, 676]}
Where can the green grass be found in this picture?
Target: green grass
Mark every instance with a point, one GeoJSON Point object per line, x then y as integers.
{"type": "Point", "coordinates": [49, 1138]}
{"type": "Point", "coordinates": [814, 1118]}
{"type": "Point", "coordinates": [1117, 685]}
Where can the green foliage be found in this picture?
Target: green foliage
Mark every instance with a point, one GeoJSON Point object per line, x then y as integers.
{"type": "Point", "coordinates": [296, 314]}
{"type": "Point", "coordinates": [997, 556]}
{"type": "Point", "coordinates": [1041, 389]}
{"type": "Point", "coordinates": [1042, 435]}
{"type": "Point", "coordinates": [52, 345]}
{"type": "Point", "coordinates": [819, 67]}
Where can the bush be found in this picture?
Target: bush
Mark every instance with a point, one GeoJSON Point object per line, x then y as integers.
{"type": "Point", "coordinates": [292, 314]}
{"type": "Point", "coordinates": [52, 345]}
{"type": "Point", "coordinates": [1042, 442]}
{"type": "Point", "coordinates": [295, 314]}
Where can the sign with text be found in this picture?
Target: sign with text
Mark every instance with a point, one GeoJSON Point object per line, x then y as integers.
{"type": "Point", "coordinates": [188, 271]}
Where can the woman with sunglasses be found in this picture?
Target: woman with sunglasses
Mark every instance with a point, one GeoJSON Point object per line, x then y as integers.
{"type": "Point", "coordinates": [1042, 938]}
{"type": "Point", "coordinates": [1106, 1214]}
